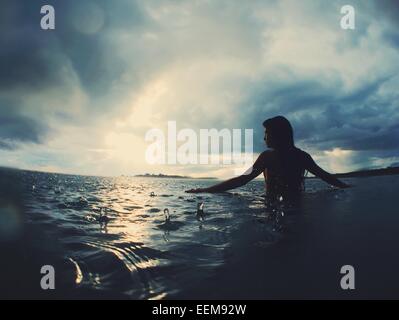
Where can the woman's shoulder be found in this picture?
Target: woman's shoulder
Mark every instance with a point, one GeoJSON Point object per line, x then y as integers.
{"type": "Point", "coordinates": [271, 153]}
{"type": "Point", "coordinates": [268, 154]}
{"type": "Point", "coordinates": [265, 158]}
{"type": "Point", "coordinates": [303, 155]}
{"type": "Point", "coordinates": [300, 151]}
{"type": "Point", "coordinates": [294, 153]}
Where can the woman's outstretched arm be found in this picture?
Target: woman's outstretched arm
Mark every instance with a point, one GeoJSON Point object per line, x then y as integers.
{"type": "Point", "coordinates": [313, 168]}
{"type": "Point", "coordinates": [250, 174]}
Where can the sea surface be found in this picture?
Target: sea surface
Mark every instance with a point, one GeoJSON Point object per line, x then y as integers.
{"type": "Point", "coordinates": [145, 238]}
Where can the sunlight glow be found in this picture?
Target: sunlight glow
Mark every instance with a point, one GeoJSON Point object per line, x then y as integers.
{"type": "Point", "coordinates": [339, 160]}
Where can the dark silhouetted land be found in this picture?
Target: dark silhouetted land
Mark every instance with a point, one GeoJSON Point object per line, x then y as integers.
{"type": "Point", "coordinates": [368, 173]}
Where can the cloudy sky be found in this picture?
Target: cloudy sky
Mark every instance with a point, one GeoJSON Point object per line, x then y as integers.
{"type": "Point", "coordinates": [80, 98]}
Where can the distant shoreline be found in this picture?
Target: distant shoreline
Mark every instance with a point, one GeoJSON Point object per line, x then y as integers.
{"type": "Point", "coordinates": [370, 173]}
{"type": "Point", "coordinates": [354, 174]}
{"type": "Point", "coordinates": [164, 176]}
{"type": "Point", "coordinates": [367, 173]}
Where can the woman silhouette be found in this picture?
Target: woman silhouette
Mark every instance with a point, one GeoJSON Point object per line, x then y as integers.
{"type": "Point", "coordinates": [283, 165]}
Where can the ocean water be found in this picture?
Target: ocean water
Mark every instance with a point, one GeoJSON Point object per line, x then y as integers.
{"type": "Point", "coordinates": [155, 244]}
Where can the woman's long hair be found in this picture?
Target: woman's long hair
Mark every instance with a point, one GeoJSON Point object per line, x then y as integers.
{"type": "Point", "coordinates": [281, 138]}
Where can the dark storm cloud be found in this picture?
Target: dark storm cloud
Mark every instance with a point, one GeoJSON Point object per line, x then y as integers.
{"type": "Point", "coordinates": [359, 129]}
{"type": "Point", "coordinates": [16, 127]}
{"type": "Point", "coordinates": [29, 57]}
{"type": "Point", "coordinates": [33, 61]}
{"type": "Point", "coordinates": [32, 55]}
{"type": "Point", "coordinates": [6, 145]}
{"type": "Point", "coordinates": [387, 11]}
{"type": "Point", "coordinates": [392, 38]}
{"type": "Point", "coordinates": [27, 66]}
{"type": "Point", "coordinates": [325, 117]}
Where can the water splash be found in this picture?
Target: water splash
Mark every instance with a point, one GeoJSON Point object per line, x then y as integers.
{"type": "Point", "coordinates": [200, 211]}
{"type": "Point", "coordinates": [167, 215]}
{"type": "Point", "coordinates": [103, 218]}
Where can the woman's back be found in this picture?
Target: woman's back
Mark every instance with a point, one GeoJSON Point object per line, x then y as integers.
{"type": "Point", "coordinates": [284, 175]}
